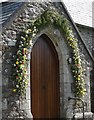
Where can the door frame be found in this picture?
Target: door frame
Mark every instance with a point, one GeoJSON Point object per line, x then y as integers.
{"type": "Point", "coordinates": [57, 48]}
{"type": "Point", "coordinates": [61, 49]}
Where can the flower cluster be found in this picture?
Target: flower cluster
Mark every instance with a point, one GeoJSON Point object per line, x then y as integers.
{"type": "Point", "coordinates": [20, 74]}
{"type": "Point", "coordinates": [77, 70]}
{"type": "Point", "coordinates": [47, 18]}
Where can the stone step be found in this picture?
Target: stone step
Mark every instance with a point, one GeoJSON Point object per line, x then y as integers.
{"type": "Point", "coordinates": [87, 115]}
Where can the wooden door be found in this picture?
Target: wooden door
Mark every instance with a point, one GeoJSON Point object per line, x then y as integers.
{"type": "Point", "coordinates": [45, 80]}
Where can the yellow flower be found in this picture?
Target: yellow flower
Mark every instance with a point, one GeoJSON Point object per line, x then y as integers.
{"type": "Point", "coordinates": [29, 30]}
{"type": "Point", "coordinates": [20, 78]}
{"type": "Point", "coordinates": [83, 92]}
{"type": "Point", "coordinates": [79, 78]}
{"type": "Point", "coordinates": [25, 48]}
{"type": "Point", "coordinates": [21, 66]}
{"type": "Point", "coordinates": [26, 82]}
{"type": "Point", "coordinates": [14, 90]}
{"type": "Point", "coordinates": [23, 38]}
{"type": "Point", "coordinates": [17, 62]}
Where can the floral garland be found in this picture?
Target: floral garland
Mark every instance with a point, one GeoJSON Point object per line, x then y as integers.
{"type": "Point", "coordinates": [20, 66]}
{"type": "Point", "coordinates": [59, 21]}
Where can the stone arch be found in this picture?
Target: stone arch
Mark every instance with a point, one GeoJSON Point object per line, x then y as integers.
{"type": "Point", "coordinates": [63, 55]}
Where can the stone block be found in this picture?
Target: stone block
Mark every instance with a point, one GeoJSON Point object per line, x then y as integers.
{"type": "Point", "coordinates": [28, 94]}
{"type": "Point", "coordinates": [4, 81]}
{"type": "Point", "coordinates": [0, 114]}
{"type": "Point", "coordinates": [67, 87]}
{"type": "Point", "coordinates": [0, 60]}
{"type": "Point", "coordinates": [6, 91]}
{"type": "Point", "coordinates": [88, 115]}
{"type": "Point", "coordinates": [1, 54]}
{"type": "Point", "coordinates": [66, 70]}
{"type": "Point", "coordinates": [61, 69]}
{"type": "Point", "coordinates": [0, 104]}
{"type": "Point", "coordinates": [29, 114]}
{"type": "Point", "coordinates": [25, 105]}
{"type": "Point", "coordinates": [4, 115]}
{"type": "Point", "coordinates": [0, 92]}
{"type": "Point", "coordinates": [0, 80]}
{"type": "Point", "coordinates": [0, 47]}
{"type": "Point", "coordinates": [4, 104]}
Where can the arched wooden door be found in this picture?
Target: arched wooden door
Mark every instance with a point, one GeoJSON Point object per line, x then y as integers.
{"type": "Point", "coordinates": [45, 80]}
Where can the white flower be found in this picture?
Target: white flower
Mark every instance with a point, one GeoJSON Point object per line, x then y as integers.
{"type": "Point", "coordinates": [14, 65]}
{"type": "Point", "coordinates": [31, 42]}
{"type": "Point", "coordinates": [17, 86]}
{"type": "Point", "coordinates": [33, 34]}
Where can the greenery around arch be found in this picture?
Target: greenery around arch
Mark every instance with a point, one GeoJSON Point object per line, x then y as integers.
{"type": "Point", "coordinates": [49, 17]}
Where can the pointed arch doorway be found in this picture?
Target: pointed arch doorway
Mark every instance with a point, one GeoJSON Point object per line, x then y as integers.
{"type": "Point", "coordinates": [45, 89]}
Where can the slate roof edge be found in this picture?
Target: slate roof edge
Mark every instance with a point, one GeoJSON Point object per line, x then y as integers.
{"type": "Point", "coordinates": [78, 24]}
{"type": "Point", "coordinates": [12, 17]}
{"type": "Point", "coordinates": [76, 29]}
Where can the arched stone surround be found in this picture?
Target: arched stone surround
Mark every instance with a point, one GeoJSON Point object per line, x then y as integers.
{"type": "Point", "coordinates": [64, 71]}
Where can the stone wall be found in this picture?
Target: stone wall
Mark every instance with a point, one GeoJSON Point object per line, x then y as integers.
{"type": "Point", "coordinates": [1, 83]}
{"type": "Point", "coordinates": [0, 73]}
{"type": "Point", "coordinates": [12, 106]}
{"type": "Point", "coordinates": [87, 34]}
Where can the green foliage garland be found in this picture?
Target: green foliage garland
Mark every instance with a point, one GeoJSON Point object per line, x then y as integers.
{"type": "Point", "coordinates": [54, 18]}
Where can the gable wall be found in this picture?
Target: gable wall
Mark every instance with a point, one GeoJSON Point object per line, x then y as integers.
{"type": "Point", "coordinates": [30, 12]}
{"type": "Point", "coordinates": [87, 34]}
